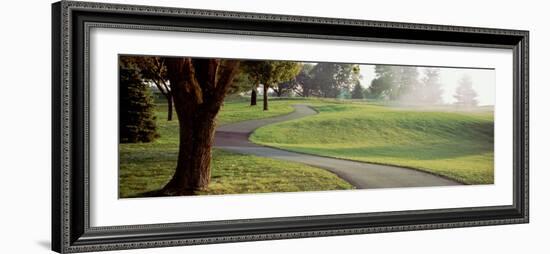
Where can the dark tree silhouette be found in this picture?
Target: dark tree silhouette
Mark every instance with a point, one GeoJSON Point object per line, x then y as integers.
{"type": "Point", "coordinates": [137, 122]}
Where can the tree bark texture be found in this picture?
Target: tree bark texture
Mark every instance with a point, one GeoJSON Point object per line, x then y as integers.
{"type": "Point", "coordinates": [198, 89]}
{"type": "Point", "coordinates": [170, 107]}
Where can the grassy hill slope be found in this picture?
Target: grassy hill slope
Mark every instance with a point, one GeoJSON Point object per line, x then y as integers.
{"type": "Point", "coordinates": [458, 145]}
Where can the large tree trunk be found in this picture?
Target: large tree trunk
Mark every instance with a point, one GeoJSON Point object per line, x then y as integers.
{"type": "Point", "coordinates": [198, 89]}
{"type": "Point", "coordinates": [170, 106]}
{"type": "Point", "coordinates": [254, 96]}
{"type": "Point", "coordinates": [196, 140]}
{"type": "Point", "coordinates": [266, 88]}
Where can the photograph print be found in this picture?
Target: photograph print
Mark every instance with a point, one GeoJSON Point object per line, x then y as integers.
{"type": "Point", "coordinates": [213, 126]}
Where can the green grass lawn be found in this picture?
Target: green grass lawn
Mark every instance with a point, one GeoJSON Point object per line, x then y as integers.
{"type": "Point", "coordinates": [240, 110]}
{"type": "Point", "coordinates": [232, 111]}
{"type": "Point", "coordinates": [146, 167]}
{"type": "Point", "coordinates": [144, 171]}
{"type": "Point", "coordinates": [458, 145]}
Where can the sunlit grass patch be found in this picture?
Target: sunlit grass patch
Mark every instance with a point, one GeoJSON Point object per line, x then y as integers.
{"type": "Point", "coordinates": [231, 173]}
{"type": "Point", "coordinates": [146, 167]}
{"type": "Point", "coordinates": [455, 144]}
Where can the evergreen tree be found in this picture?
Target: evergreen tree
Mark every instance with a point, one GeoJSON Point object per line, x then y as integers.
{"type": "Point", "coordinates": [357, 92]}
{"type": "Point", "coordinates": [465, 94]}
{"type": "Point", "coordinates": [137, 117]}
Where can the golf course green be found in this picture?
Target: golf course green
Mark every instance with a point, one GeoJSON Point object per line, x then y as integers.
{"type": "Point", "coordinates": [444, 141]}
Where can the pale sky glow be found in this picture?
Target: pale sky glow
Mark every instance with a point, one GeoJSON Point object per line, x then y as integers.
{"type": "Point", "coordinates": [483, 82]}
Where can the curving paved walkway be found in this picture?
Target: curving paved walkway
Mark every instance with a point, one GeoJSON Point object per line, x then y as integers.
{"type": "Point", "coordinates": [234, 138]}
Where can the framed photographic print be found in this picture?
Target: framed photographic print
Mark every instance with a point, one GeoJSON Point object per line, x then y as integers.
{"type": "Point", "coordinates": [181, 126]}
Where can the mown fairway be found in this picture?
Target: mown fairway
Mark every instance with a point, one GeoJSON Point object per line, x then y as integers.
{"type": "Point", "coordinates": [458, 145]}
{"type": "Point", "coordinates": [146, 167]}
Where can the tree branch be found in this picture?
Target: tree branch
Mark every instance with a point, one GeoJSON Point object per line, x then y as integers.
{"type": "Point", "coordinates": [182, 72]}
{"type": "Point", "coordinates": [226, 75]}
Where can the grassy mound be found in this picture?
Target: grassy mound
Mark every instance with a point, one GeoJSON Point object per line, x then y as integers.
{"type": "Point", "coordinates": [458, 145]}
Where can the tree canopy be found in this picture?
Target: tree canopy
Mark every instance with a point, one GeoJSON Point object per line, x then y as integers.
{"type": "Point", "coordinates": [383, 85]}
{"type": "Point", "coordinates": [303, 84]}
{"type": "Point", "coordinates": [270, 74]}
{"type": "Point", "coordinates": [395, 83]}
{"type": "Point", "coordinates": [331, 78]}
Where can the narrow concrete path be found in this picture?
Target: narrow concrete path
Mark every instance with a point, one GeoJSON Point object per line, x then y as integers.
{"type": "Point", "coordinates": [234, 138]}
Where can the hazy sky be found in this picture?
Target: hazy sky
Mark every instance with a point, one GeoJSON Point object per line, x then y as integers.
{"type": "Point", "coordinates": [483, 82]}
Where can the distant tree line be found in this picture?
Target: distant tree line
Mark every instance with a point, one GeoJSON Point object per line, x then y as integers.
{"type": "Point", "coordinates": [403, 83]}
{"type": "Point", "coordinates": [327, 80]}
{"type": "Point", "coordinates": [284, 78]}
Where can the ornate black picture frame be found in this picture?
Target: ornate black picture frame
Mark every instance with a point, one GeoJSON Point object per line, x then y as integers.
{"type": "Point", "coordinates": [71, 22]}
